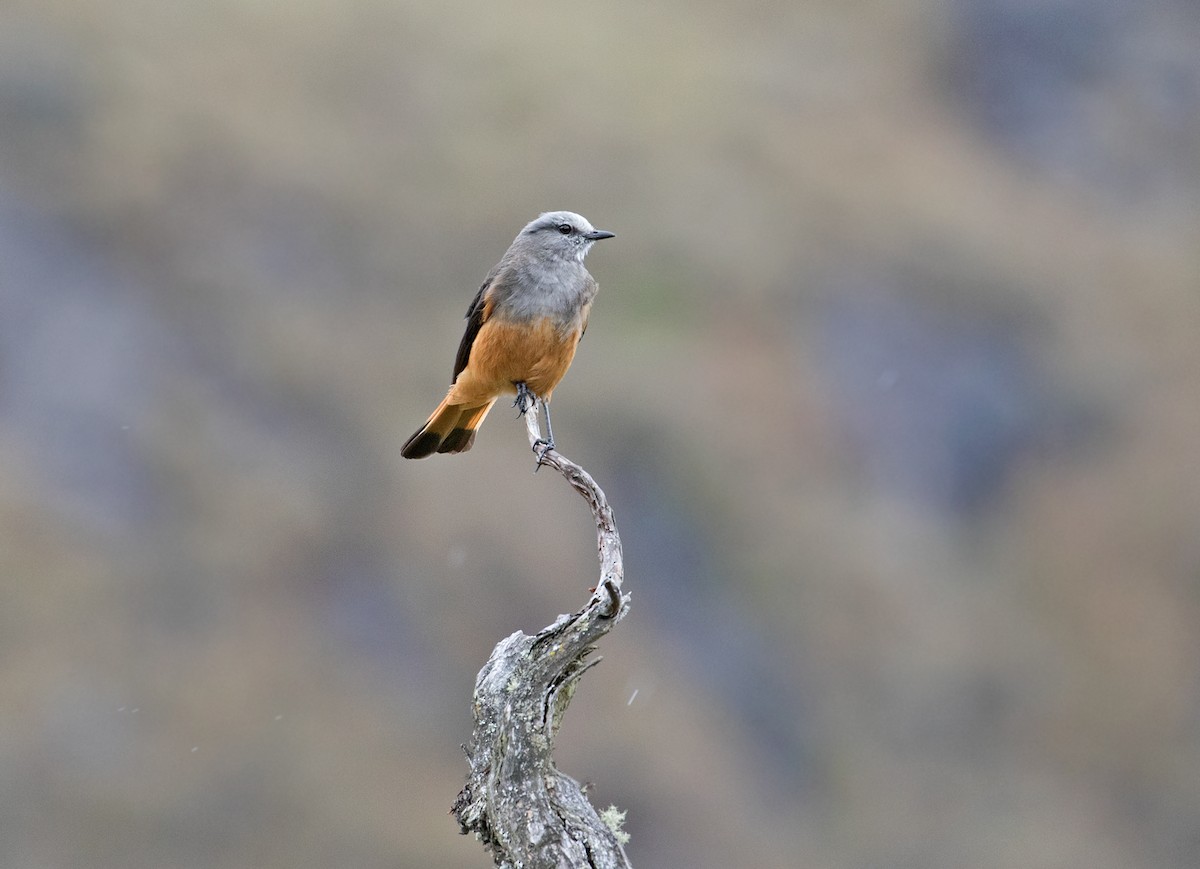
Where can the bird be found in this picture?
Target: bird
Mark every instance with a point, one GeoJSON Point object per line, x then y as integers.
{"type": "Point", "coordinates": [523, 327]}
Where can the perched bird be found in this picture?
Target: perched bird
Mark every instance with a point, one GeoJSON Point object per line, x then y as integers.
{"type": "Point", "coordinates": [522, 330]}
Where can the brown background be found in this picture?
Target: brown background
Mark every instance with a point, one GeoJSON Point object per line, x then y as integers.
{"type": "Point", "coordinates": [893, 381]}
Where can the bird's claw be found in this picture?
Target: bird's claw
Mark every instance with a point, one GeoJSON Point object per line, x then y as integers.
{"type": "Point", "coordinates": [525, 399]}
{"type": "Point", "coordinates": [542, 446]}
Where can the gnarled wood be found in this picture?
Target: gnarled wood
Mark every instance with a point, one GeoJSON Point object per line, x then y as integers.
{"type": "Point", "coordinates": [527, 812]}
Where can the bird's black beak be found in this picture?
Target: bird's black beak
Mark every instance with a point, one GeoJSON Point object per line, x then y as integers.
{"type": "Point", "coordinates": [597, 234]}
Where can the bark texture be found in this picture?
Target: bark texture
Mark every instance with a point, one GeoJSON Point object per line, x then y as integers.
{"type": "Point", "coordinates": [531, 815]}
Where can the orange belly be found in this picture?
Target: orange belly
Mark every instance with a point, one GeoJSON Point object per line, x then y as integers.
{"type": "Point", "coordinates": [505, 353]}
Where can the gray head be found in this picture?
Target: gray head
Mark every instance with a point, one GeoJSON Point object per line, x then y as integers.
{"type": "Point", "coordinates": [561, 234]}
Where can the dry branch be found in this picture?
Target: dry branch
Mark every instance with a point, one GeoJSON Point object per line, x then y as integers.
{"type": "Point", "coordinates": [528, 813]}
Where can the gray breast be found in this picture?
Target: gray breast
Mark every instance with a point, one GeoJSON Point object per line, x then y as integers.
{"type": "Point", "coordinates": [535, 289]}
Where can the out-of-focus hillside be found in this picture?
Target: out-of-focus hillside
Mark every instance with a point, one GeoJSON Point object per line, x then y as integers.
{"type": "Point", "coordinates": [894, 383]}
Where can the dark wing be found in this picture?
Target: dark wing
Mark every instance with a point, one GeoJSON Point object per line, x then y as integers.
{"type": "Point", "coordinates": [586, 311]}
{"type": "Point", "coordinates": [477, 314]}
{"type": "Point", "coordinates": [583, 316]}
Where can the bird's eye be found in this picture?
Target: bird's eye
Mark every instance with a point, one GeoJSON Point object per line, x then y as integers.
{"type": "Point", "coordinates": [564, 228]}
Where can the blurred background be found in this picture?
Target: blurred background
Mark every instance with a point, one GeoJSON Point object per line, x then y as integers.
{"type": "Point", "coordinates": [893, 382]}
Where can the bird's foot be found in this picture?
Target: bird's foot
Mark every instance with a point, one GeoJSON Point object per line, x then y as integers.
{"type": "Point", "coordinates": [542, 446]}
{"type": "Point", "coordinates": [525, 399]}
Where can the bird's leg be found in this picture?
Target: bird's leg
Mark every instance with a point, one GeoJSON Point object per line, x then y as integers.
{"type": "Point", "coordinates": [525, 398]}
{"type": "Point", "coordinates": [547, 443]}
